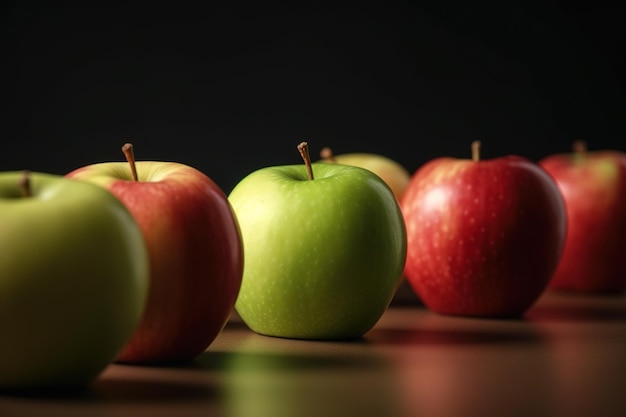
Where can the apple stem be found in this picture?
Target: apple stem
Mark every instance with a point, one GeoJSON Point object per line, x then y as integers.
{"type": "Point", "coordinates": [476, 151]}
{"type": "Point", "coordinates": [127, 149]}
{"type": "Point", "coordinates": [303, 147]}
{"type": "Point", "coordinates": [580, 147]}
{"type": "Point", "coordinates": [27, 190]}
{"type": "Point", "coordinates": [327, 154]}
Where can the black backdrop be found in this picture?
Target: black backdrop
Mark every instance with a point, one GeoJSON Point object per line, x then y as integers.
{"type": "Point", "coordinates": [232, 86]}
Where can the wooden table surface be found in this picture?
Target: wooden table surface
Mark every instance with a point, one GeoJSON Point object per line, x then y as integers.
{"type": "Point", "coordinates": [566, 357]}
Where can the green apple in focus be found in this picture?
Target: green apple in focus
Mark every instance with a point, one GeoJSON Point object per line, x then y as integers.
{"type": "Point", "coordinates": [73, 280]}
{"type": "Point", "coordinates": [325, 246]}
{"type": "Point", "coordinates": [392, 172]}
{"type": "Point", "coordinates": [397, 178]}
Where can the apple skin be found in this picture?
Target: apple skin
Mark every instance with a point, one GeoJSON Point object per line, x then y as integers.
{"type": "Point", "coordinates": [323, 256]}
{"type": "Point", "coordinates": [484, 236]}
{"type": "Point", "coordinates": [73, 281]}
{"type": "Point", "coordinates": [397, 178]}
{"type": "Point", "coordinates": [394, 174]}
{"type": "Point", "coordinates": [594, 188]}
{"type": "Point", "coordinates": [195, 251]}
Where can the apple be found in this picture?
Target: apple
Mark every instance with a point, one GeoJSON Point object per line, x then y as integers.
{"type": "Point", "coordinates": [593, 184]}
{"type": "Point", "coordinates": [325, 247]}
{"type": "Point", "coordinates": [195, 251]}
{"type": "Point", "coordinates": [484, 236]}
{"type": "Point", "coordinates": [393, 173]}
{"type": "Point", "coordinates": [397, 178]}
{"type": "Point", "coordinates": [73, 280]}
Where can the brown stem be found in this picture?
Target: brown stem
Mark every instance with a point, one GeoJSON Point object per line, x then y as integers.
{"type": "Point", "coordinates": [327, 154]}
{"type": "Point", "coordinates": [25, 185]}
{"type": "Point", "coordinates": [476, 151]}
{"type": "Point", "coordinates": [303, 147]}
{"type": "Point", "coordinates": [579, 147]}
{"type": "Point", "coordinates": [130, 157]}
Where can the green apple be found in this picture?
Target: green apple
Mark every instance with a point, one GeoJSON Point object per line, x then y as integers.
{"type": "Point", "coordinates": [392, 172]}
{"type": "Point", "coordinates": [325, 246]}
{"type": "Point", "coordinates": [73, 280]}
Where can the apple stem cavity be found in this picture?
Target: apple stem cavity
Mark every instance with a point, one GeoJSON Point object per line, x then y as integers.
{"type": "Point", "coordinates": [25, 185]}
{"type": "Point", "coordinates": [303, 148]}
{"type": "Point", "coordinates": [327, 154]}
{"type": "Point", "coordinates": [129, 153]}
{"type": "Point", "coordinates": [476, 151]}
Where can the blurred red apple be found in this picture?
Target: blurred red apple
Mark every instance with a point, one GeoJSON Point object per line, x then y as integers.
{"type": "Point", "coordinates": [593, 185]}
{"type": "Point", "coordinates": [195, 251]}
{"type": "Point", "coordinates": [484, 236]}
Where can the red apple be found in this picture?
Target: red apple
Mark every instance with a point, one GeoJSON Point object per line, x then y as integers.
{"type": "Point", "coordinates": [593, 185]}
{"type": "Point", "coordinates": [484, 236]}
{"type": "Point", "coordinates": [195, 251]}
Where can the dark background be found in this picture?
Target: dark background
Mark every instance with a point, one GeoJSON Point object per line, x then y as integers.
{"type": "Point", "coordinates": [229, 87]}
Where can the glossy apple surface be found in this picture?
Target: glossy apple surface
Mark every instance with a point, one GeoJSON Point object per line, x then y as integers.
{"type": "Point", "coordinates": [195, 250]}
{"type": "Point", "coordinates": [593, 184]}
{"type": "Point", "coordinates": [323, 256]}
{"type": "Point", "coordinates": [484, 236]}
{"type": "Point", "coordinates": [73, 281]}
{"type": "Point", "coordinates": [393, 173]}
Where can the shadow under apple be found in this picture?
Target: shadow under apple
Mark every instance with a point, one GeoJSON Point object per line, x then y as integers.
{"type": "Point", "coordinates": [451, 337]}
{"type": "Point", "coordinates": [568, 307]}
{"type": "Point", "coordinates": [114, 390]}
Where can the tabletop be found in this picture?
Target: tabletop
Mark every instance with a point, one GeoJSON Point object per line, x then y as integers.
{"type": "Point", "coordinates": [565, 357]}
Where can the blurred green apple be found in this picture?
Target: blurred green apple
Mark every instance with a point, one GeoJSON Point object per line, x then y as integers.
{"type": "Point", "coordinates": [325, 247]}
{"type": "Point", "coordinates": [73, 280]}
